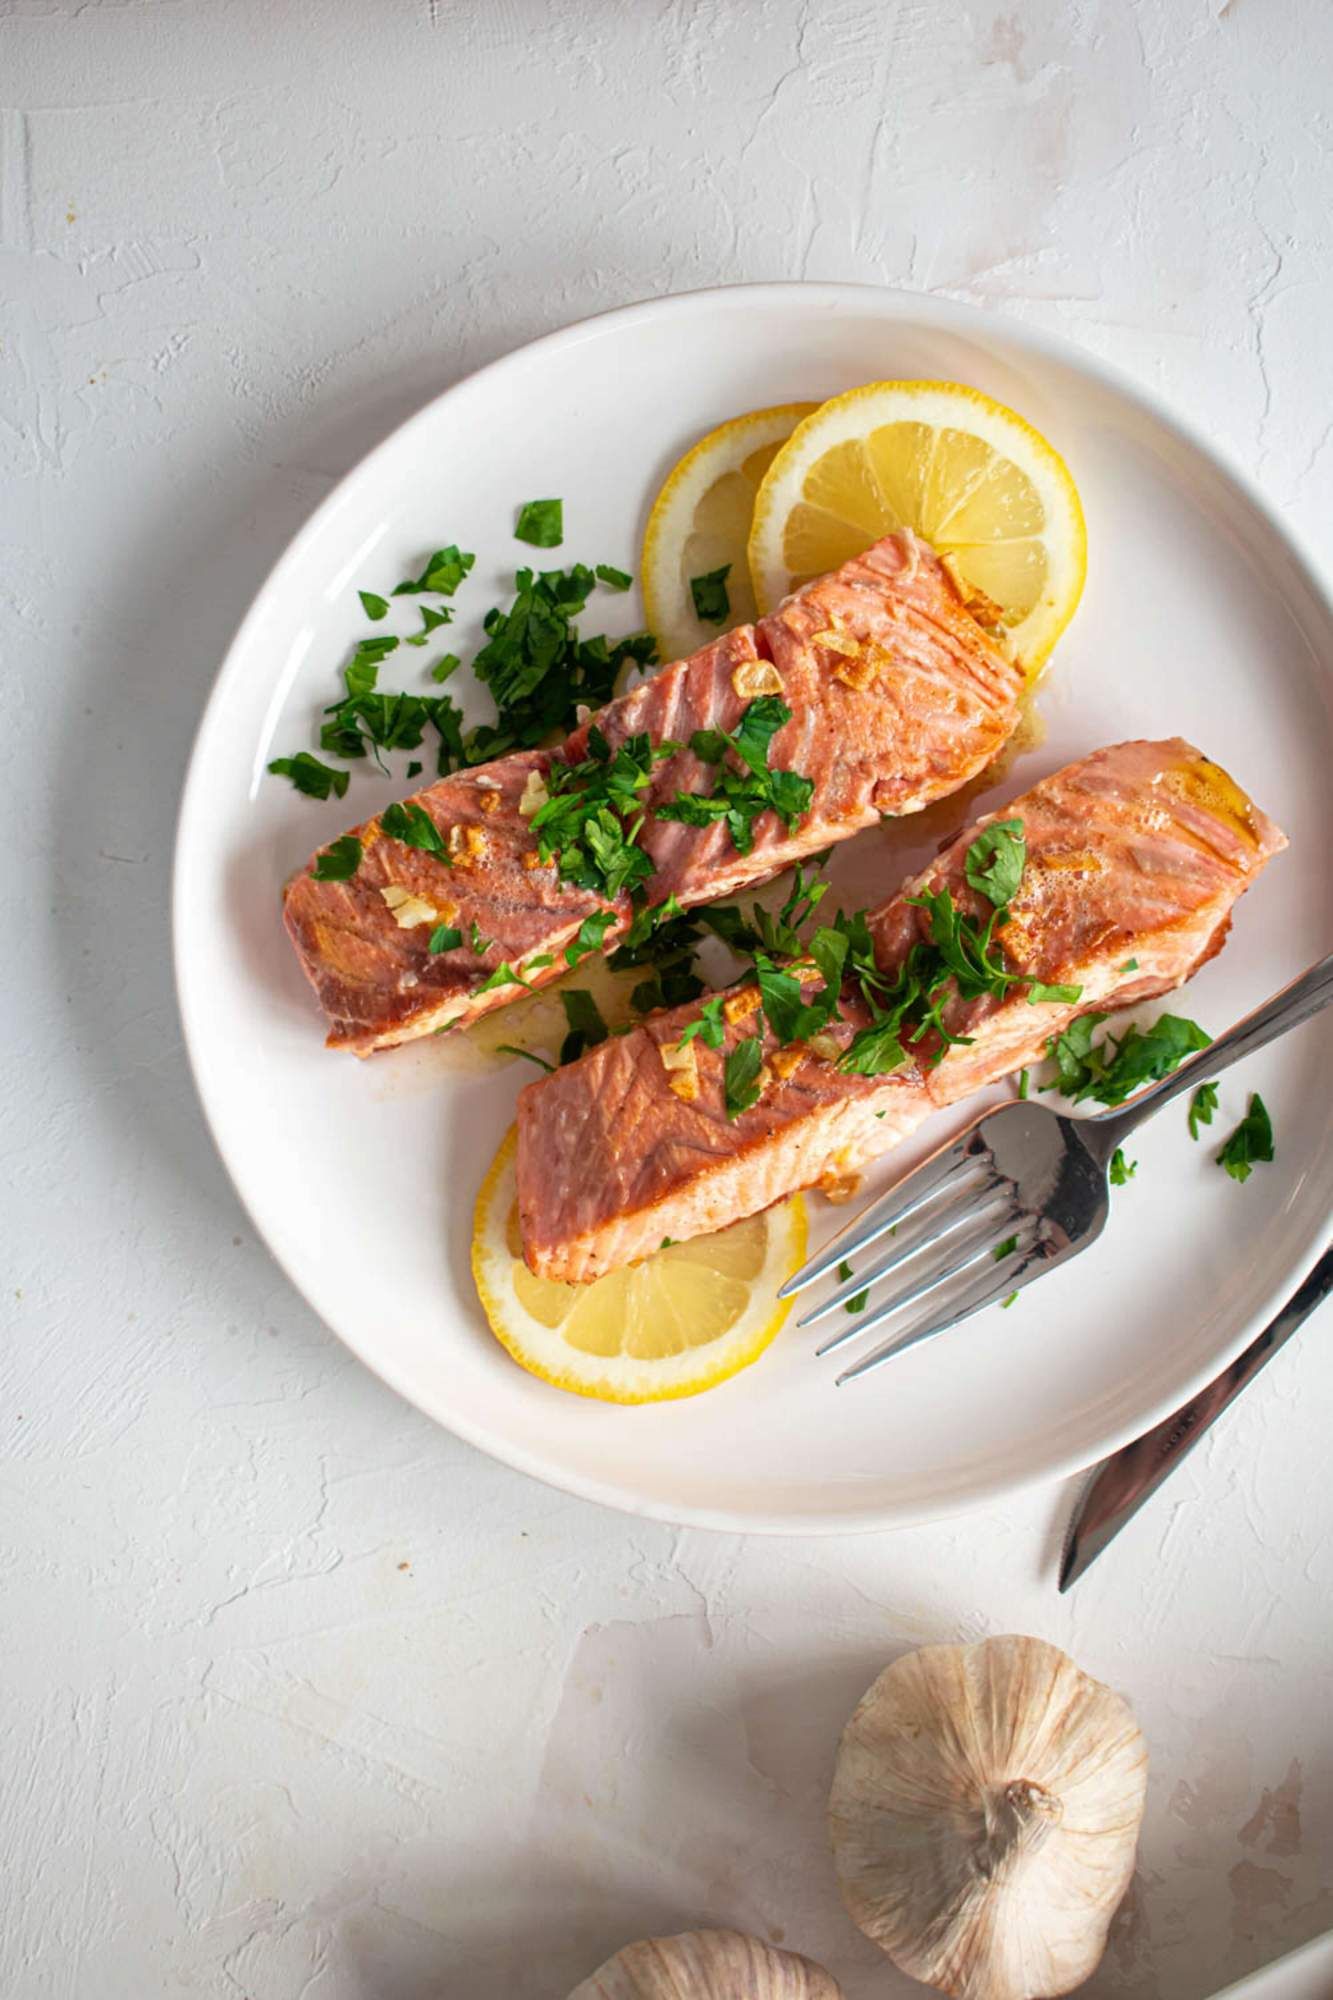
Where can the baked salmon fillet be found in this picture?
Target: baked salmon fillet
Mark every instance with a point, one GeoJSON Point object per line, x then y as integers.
{"type": "Point", "coordinates": [897, 697]}
{"type": "Point", "coordinates": [1134, 858]}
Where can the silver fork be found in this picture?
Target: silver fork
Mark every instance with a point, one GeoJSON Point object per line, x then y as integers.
{"type": "Point", "coordinates": [1021, 1191]}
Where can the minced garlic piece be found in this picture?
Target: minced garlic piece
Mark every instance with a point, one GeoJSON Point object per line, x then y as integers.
{"type": "Point", "coordinates": [784, 1061]}
{"type": "Point", "coordinates": [682, 1068]}
{"type": "Point", "coordinates": [838, 1188]}
{"type": "Point", "coordinates": [467, 846]}
{"type": "Point", "coordinates": [826, 1047]}
{"type": "Point", "coordinates": [488, 798]}
{"type": "Point", "coordinates": [764, 1078]}
{"type": "Point", "coordinates": [837, 642]}
{"type": "Point", "coordinates": [535, 795]}
{"type": "Point", "coordinates": [739, 1006]}
{"type": "Point", "coordinates": [408, 910]}
{"type": "Point", "coordinates": [753, 677]}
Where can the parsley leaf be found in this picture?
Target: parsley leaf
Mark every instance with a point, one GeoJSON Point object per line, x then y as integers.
{"type": "Point", "coordinates": [441, 575]}
{"type": "Point", "coordinates": [739, 798]}
{"type": "Point", "coordinates": [1005, 1249]}
{"type": "Point", "coordinates": [590, 936]}
{"type": "Point", "coordinates": [586, 1026]}
{"type": "Point", "coordinates": [1202, 1106]}
{"type": "Point", "coordinates": [1022, 1083]}
{"type": "Point", "coordinates": [503, 975]}
{"type": "Point", "coordinates": [373, 606]}
{"type": "Point", "coordinates": [740, 1080]}
{"type": "Point", "coordinates": [995, 861]}
{"type": "Point", "coordinates": [445, 937]}
{"type": "Point", "coordinates": [528, 1055]}
{"type": "Point", "coordinates": [613, 578]}
{"type": "Point", "coordinates": [1113, 1070]}
{"type": "Point", "coordinates": [431, 620]}
{"type": "Point", "coordinates": [1251, 1141]}
{"type": "Point", "coordinates": [1006, 1303]}
{"type": "Point", "coordinates": [541, 523]}
{"type": "Point", "coordinates": [709, 1025]}
{"type": "Point", "coordinates": [711, 602]}
{"type": "Point", "coordinates": [857, 1303]}
{"type": "Point", "coordinates": [413, 825]}
{"type": "Point", "coordinates": [308, 775]}
{"type": "Point", "coordinates": [1122, 1170]}
{"type": "Point", "coordinates": [339, 861]}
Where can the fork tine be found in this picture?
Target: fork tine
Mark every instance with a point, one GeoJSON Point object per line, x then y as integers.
{"type": "Point", "coordinates": [958, 1253]}
{"type": "Point", "coordinates": [972, 1300]}
{"type": "Point", "coordinates": [932, 1222]}
{"type": "Point", "coordinates": [882, 1215]}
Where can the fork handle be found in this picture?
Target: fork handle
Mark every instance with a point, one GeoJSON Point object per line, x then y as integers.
{"type": "Point", "coordinates": [1287, 1009]}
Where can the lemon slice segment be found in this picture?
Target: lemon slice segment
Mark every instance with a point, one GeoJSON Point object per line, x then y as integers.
{"type": "Point", "coordinates": [673, 1324]}
{"type": "Point", "coordinates": [968, 475]}
{"type": "Point", "coordinates": [700, 523]}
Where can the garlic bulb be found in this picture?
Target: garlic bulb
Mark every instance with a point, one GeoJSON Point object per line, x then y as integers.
{"type": "Point", "coordinates": [707, 1965]}
{"type": "Point", "coordinates": [984, 1815]}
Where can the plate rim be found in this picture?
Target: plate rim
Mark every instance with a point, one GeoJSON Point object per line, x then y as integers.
{"type": "Point", "coordinates": [894, 303]}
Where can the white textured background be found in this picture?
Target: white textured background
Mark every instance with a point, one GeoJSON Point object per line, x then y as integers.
{"type": "Point", "coordinates": [299, 1697]}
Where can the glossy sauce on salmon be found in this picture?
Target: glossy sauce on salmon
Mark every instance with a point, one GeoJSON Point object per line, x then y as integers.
{"type": "Point", "coordinates": [1135, 857]}
{"type": "Point", "coordinates": [897, 695]}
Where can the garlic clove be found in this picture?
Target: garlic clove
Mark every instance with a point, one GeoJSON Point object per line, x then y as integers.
{"type": "Point", "coordinates": [984, 1816]}
{"type": "Point", "coordinates": [707, 1965]}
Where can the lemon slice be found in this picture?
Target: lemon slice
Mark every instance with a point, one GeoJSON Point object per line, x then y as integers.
{"type": "Point", "coordinates": [677, 1322]}
{"type": "Point", "coordinates": [964, 472]}
{"type": "Point", "coordinates": [701, 522]}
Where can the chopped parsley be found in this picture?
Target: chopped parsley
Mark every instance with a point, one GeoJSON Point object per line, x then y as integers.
{"type": "Point", "coordinates": [308, 775]}
{"type": "Point", "coordinates": [1203, 1105]}
{"type": "Point", "coordinates": [528, 1055]}
{"type": "Point", "coordinates": [739, 797]}
{"type": "Point", "coordinates": [1252, 1141]}
{"type": "Point", "coordinates": [441, 574]}
{"type": "Point", "coordinates": [1005, 1249]}
{"type": "Point", "coordinates": [613, 578]}
{"type": "Point", "coordinates": [431, 620]}
{"type": "Point", "coordinates": [584, 1019]}
{"type": "Point", "coordinates": [995, 861]}
{"type": "Point", "coordinates": [504, 975]}
{"type": "Point", "coordinates": [593, 814]}
{"type": "Point", "coordinates": [445, 937]}
{"type": "Point", "coordinates": [590, 936]}
{"type": "Point", "coordinates": [1022, 1083]}
{"type": "Point", "coordinates": [480, 945]}
{"type": "Point", "coordinates": [857, 1303]}
{"type": "Point", "coordinates": [339, 861]}
{"type": "Point", "coordinates": [448, 663]}
{"type": "Point", "coordinates": [1112, 1070]}
{"type": "Point", "coordinates": [708, 1025]}
{"type": "Point", "coordinates": [538, 670]}
{"type": "Point", "coordinates": [711, 602]}
{"type": "Point", "coordinates": [541, 523]}
{"type": "Point", "coordinates": [373, 606]}
{"type": "Point", "coordinates": [413, 825]}
{"type": "Point", "coordinates": [845, 1271]}
{"type": "Point", "coordinates": [414, 768]}
{"type": "Point", "coordinates": [1006, 1303]}
{"type": "Point", "coordinates": [740, 1078]}
{"type": "Point", "coordinates": [1130, 965]}
{"type": "Point", "coordinates": [1122, 1170]}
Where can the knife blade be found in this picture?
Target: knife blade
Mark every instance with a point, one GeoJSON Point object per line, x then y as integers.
{"type": "Point", "coordinates": [1120, 1485]}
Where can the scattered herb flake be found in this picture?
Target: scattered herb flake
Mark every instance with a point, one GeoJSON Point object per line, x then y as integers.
{"type": "Point", "coordinates": [445, 937]}
{"type": "Point", "coordinates": [1112, 1070]}
{"type": "Point", "coordinates": [413, 825]}
{"type": "Point", "coordinates": [1006, 1303]}
{"type": "Point", "coordinates": [1251, 1142]}
{"type": "Point", "coordinates": [590, 936]}
{"type": "Point", "coordinates": [1022, 1083]}
{"type": "Point", "coordinates": [1122, 1170]}
{"type": "Point", "coordinates": [845, 1271]}
{"type": "Point", "coordinates": [414, 768]}
{"type": "Point", "coordinates": [1005, 1249]}
{"type": "Point", "coordinates": [528, 1055]}
{"type": "Point", "coordinates": [373, 606]}
{"type": "Point", "coordinates": [1203, 1104]}
{"type": "Point", "coordinates": [584, 1018]}
{"type": "Point", "coordinates": [740, 1083]}
{"type": "Point", "coordinates": [858, 1303]}
{"type": "Point", "coordinates": [308, 775]}
{"type": "Point", "coordinates": [613, 578]}
{"type": "Point", "coordinates": [541, 523]}
{"type": "Point", "coordinates": [995, 861]}
{"type": "Point", "coordinates": [339, 861]}
{"type": "Point", "coordinates": [1130, 965]}
{"type": "Point", "coordinates": [503, 975]}
{"type": "Point", "coordinates": [441, 575]}
{"type": "Point", "coordinates": [711, 602]}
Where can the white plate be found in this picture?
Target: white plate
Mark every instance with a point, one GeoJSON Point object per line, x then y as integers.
{"type": "Point", "coordinates": [1200, 617]}
{"type": "Point", "coordinates": [1306, 1974]}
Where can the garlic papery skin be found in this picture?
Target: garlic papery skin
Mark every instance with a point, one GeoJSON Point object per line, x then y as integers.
{"type": "Point", "coordinates": [707, 1965]}
{"type": "Point", "coordinates": [984, 1816]}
